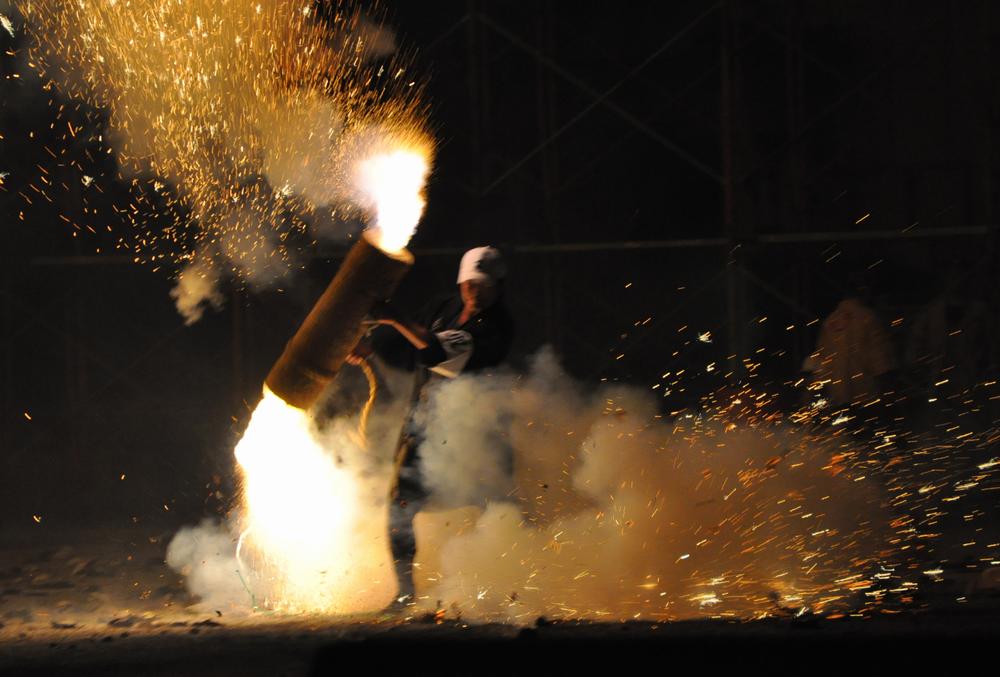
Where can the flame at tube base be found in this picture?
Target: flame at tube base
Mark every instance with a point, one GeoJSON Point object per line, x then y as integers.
{"type": "Point", "coordinates": [315, 530]}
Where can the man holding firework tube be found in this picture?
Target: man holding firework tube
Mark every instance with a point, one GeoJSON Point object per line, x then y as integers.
{"type": "Point", "coordinates": [459, 333]}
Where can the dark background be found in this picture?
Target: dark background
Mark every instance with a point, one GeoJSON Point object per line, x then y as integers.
{"type": "Point", "coordinates": [718, 168]}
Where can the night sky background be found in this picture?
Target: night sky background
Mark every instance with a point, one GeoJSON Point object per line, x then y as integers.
{"type": "Point", "coordinates": [653, 170]}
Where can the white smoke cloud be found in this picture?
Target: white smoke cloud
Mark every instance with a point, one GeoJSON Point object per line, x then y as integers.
{"type": "Point", "coordinates": [196, 289]}
{"type": "Point", "coordinates": [299, 144]}
{"type": "Point", "coordinates": [452, 427]}
{"type": "Point", "coordinates": [621, 514]}
{"type": "Point", "coordinates": [613, 512]}
{"type": "Point", "coordinates": [206, 556]}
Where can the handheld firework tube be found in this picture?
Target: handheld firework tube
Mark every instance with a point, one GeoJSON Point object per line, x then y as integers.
{"type": "Point", "coordinates": [319, 348]}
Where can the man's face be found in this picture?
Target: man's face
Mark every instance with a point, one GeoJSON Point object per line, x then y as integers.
{"type": "Point", "coordinates": [478, 294]}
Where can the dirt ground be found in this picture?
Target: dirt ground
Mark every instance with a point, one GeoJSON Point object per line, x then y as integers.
{"type": "Point", "coordinates": [105, 603]}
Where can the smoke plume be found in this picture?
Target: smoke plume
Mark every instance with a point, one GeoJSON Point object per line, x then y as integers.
{"type": "Point", "coordinates": [206, 556]}
{"type": "Point", "coordinates": [197, 286]}
{"type": "Point", "coordinates": [620, 513]}
{"type": "Point", "coordinates": [612, 511]}
{"type": "Point", "coordinates": [244, 109]}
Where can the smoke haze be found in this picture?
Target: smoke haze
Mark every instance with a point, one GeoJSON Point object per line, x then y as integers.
{"type": "Point", "coordinates": [206, 556]}
{"type": "Point", "coordinates": [613, 511]}
{"type": "Point", "coordinates": [621, 514]}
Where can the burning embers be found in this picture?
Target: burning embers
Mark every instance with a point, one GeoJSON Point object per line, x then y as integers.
{"type": "Point", "coordinates": [241, 124]}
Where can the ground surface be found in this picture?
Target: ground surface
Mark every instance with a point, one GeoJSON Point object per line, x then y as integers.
{"type": "Point", "coordinates": [106, 604]}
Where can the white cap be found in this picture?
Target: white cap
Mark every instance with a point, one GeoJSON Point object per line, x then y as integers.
{"type": "Point", "coordinates": [481, 263]}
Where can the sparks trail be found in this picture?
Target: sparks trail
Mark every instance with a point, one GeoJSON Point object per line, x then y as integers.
{"type": "Point", "coordinates": [241, 122]}
{"type": "Point", "coordinates": [732, 509]}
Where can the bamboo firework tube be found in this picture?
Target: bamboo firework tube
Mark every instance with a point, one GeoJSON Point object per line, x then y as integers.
{"type": "Point", "coordinates": [317, 351]}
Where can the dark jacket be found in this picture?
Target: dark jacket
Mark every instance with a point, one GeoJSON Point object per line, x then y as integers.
{"type": "Point", "coordinates": [491, 333]}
